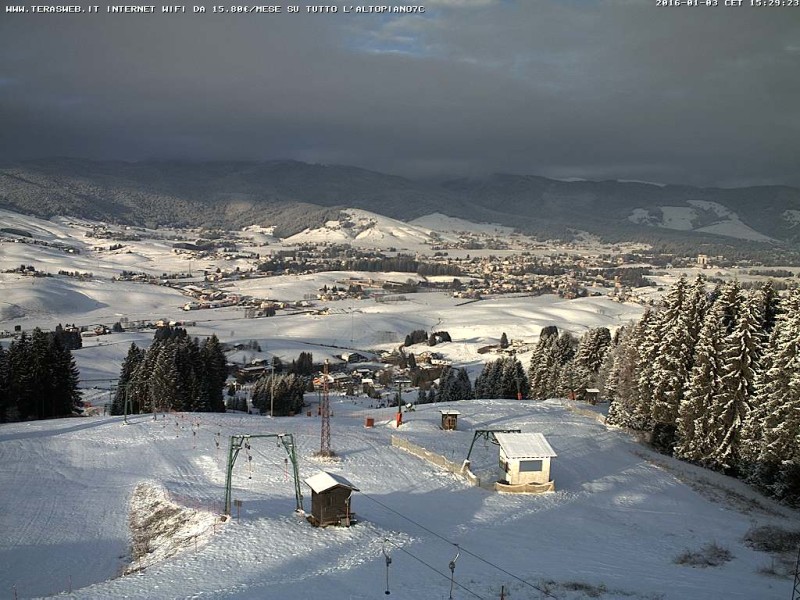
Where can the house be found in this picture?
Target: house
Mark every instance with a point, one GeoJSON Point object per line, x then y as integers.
{"type": "Point", "coordinates": [330, 499]}
{"type": "Point", "coordinates": [525, 460]}
{"type": "Point", "coordinates": [449, 419]}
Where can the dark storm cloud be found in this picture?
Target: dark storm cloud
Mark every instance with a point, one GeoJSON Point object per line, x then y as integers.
{"type": "Point", "coordinates": [607, 89]}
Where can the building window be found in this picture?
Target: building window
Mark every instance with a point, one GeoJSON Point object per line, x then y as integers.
{"type": "Point", "coordinates": [528, 466]}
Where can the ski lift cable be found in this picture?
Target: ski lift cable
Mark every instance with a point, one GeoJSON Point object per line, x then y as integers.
{"type": "Point", "coordinates": [464, 550]}
{"type": "Point", "coordinates": [435, 570]}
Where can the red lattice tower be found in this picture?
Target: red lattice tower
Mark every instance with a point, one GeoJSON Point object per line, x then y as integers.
{"type": "Point", "coordinates": [325, 410]}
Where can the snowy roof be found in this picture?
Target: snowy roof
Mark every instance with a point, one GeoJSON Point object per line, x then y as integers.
{"type": "Point", "coordinates": [324, 481]}
{"type": "Point", "coordinates": [450, 412]}
{"type": "Point", "coordinates": [593, 390]}
{"type": "Point", "coordinates": [524, 445]}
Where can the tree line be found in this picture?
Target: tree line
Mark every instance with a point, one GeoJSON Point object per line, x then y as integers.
{"type": "Point", "coordinates": [712, 377]}
{"type": "Point", "coordinates": [176, 373]}
{"type": "Point", "coordinates": [38, 379]}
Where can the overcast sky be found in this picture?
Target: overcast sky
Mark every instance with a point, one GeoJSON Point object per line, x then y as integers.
{"type": "Point", "coordinates": [606, 89]}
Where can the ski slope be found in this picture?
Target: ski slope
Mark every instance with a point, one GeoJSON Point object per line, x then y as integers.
{"type": "Point", "coordinates": [612, 529]}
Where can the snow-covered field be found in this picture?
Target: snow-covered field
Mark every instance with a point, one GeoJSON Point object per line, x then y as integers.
{"type": "Point", "coordinates": [612, 529]}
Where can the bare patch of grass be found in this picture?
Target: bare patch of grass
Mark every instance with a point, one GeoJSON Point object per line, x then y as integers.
{"type": "Point", "coordinates": [772, 539]}
{"type": "Point", "coordinates": [710, 555]}
{"type": "Point", "coordinates": [160, 528]}
{"type": "Point", "coordinates": [780, 543]}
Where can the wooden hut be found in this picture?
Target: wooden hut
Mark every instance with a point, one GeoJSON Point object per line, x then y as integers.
{"type": "Point", "coordinates": [449, 419]}
{"type": "Point", "coordinates": [330, 499]}
{"type": "Point", "coordinates": [525, 460]}
{"type": "Point", "coordinates": [592, 395]}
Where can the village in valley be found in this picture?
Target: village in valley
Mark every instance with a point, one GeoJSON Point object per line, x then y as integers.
{"type": "Point", "coordinates": [371, 382]}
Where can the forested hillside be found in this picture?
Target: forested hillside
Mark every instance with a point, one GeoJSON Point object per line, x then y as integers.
{"type": "Point", "coordinates": [292, 195]}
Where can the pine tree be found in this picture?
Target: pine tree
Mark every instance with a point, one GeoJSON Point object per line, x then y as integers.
{"type": "Point", "coordinates": [695, 420]}
{"type": "Point", "coordinates": [216, 373]}
{"type": "Point", "coordinates": [573, 378]}
{"type": "Point", "coordinates": [422, 396]}
{"type": "Point", "coordinates": [132, 360]}
{"type": "Point", "coordinates": [627, 406]}
{"type": "Point", "coordinates": [664, 378]}
{"type": "Point", "coordinates": [541, 360]}
{"type": "Point", "coordinates": [741, 351]}
{"type": "Point", "coordinates": [772, 430]}
{"type": "Point", "coordinates": [446, 385]}
{"type": "Point", "coordinates": [66, 398]}
{"type": "Point", "coordinates": [487, 384]}
{"type": "Point", "coordinates": [513, 382]}
{"type": "Point", "coordinates": [592, 348]}
{"type": "Point", "coordinates": [504, 340]}
{"type": "Point", "coordinates": [465, 385]}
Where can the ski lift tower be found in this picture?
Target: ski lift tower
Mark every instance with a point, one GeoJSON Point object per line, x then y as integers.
{"type": "Point", "coordinates": [325, 411]}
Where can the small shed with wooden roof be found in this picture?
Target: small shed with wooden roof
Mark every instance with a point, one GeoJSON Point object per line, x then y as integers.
{"type": "Point", "coordinates": [449, 419]}
{"type": "Point", "coordinates": [592, 395]}
{"type": "Point", "coordinates": [525, 458]}
{"type": "Point", "coordinates": [330, 499]}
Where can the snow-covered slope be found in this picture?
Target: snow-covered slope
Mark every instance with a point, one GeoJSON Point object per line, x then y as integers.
{"type": "Point", "coordinates": [440, 222]}
{"type": "Point", "coordinates": [689, 218]}
{"type": "Point", "coordinates": [364, 228]}
{"type": "Point", "coordinates": [613, 528]}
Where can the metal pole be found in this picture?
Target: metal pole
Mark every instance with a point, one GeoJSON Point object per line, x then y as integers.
{"type": "Point", "coordinates": [125, 418]}
{"type": "Point", "coordinates": [290, 450]}
{"type": "Point", "coordinates": [233, 451]}
{"type": "Point", "coordinates": [272, 394]}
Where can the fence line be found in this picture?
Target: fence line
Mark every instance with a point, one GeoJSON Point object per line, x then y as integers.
{"type": "Point", "coordinates": [436, 459]}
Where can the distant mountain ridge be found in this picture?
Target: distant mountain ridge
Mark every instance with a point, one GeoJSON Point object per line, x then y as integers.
{"type": "Point", "coordinates": [293, 195]}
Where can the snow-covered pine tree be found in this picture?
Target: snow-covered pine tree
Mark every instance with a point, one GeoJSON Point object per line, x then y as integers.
{"type": "Point", "coordinates": [741, 352]}
{"type": "Point", "coordinates": [166, 387]}
{"type": "Point", "coordinates": [447, 385]}
{"type": "Point", "coordinates": [663, 380]}
{"type": "Point", "coordinates": [513, 382]}
{"type": "Point", "coordinates": [573, 378]}
{"type": "Point", "coordinates": [216, 372]}
{"type": "Point", "coordinates": [592, 348]}
{"type": "Point", "coordinates": [454, 385]}
{"type": "Point", "coordinates": [771, 435]}
{"type": "Point", "coordinates": [627, 406]}
{"type": "Point", "coordinates": [465, 391]}
{"type": "Point", "coordinates": [540, 362]}
{"type": "Point", "coordinates": [488, 384]}
{"type": "Point", "coordinates": [561, 353]}
{"type": "Point", "coordinates": [695, 421]}
{"type": "Point", "coordinates": [132, 360]}
{"type": "Point", "coordinates": [66, 398]}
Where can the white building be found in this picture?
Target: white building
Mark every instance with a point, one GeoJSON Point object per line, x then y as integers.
{"type": "Point", "coordinates": [525, 459]}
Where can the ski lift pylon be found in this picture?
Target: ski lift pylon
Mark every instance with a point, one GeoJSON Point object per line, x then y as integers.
{"type": "Point", "coordinates": [388, 562]}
